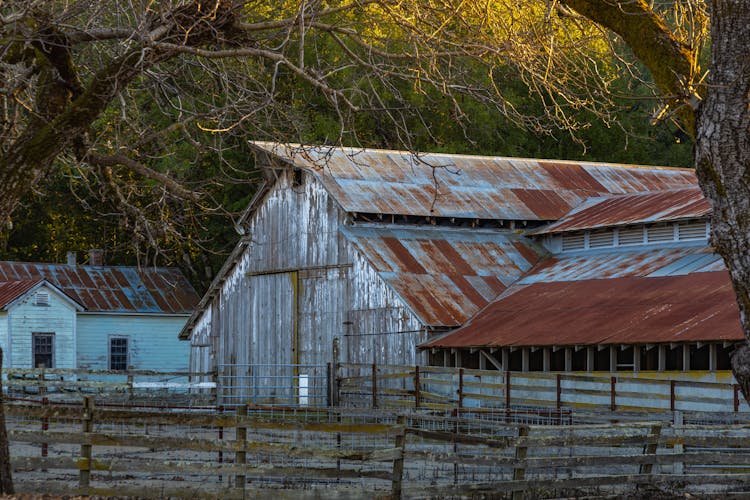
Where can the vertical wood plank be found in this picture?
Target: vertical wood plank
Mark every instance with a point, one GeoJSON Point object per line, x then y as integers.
{"type": "Point", "coordinates": [87, 426]}
{"type": "Point", "coordinates": [398, 463]}
{"type": "Point", "coordinates": [240, 457]}
{"type": "Point", "coordinates": [519, 473]}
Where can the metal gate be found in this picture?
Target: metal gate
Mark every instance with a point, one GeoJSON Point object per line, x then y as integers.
{"type": "Point", "coordinates": [274, 384]}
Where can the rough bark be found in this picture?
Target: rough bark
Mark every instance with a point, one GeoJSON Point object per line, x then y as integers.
{"type": "Point", "coordinates": [722, 154]}
{"type": "Point", "coordinates": [6, 481]}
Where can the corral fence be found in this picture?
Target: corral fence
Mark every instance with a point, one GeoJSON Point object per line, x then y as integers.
{"type": "Point", "coordinates": [275, 384]}
{"type": "Point", "coordinates": [431, 387]}
{"type": "Point", "coordinates": [294, 452]}
{"type": "Point", "coordinates": [61, 384]}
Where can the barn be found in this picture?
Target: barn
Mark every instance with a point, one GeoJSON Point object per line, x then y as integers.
{"type": "Point", "coordinates": [630, 284]}
{"type": "Point", "coordinates": [360, 256]}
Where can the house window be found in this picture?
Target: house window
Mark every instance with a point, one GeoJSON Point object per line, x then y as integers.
{"type": "Point", "coordinates": [43, 345]}
{"type": "Point", "coordinates": [118, 353]}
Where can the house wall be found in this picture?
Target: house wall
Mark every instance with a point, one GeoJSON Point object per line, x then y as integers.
{"type": "Point", "coordinates": [152, 341]}
{"type": "Point", "coordinates": [4, 338]}
{"type": "Point", "coordinates": [297, 286]}
{"type": "Point", "coordinates": [59, 317]}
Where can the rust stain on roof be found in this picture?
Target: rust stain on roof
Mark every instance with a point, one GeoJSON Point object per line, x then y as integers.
{"type": "Point", "coordinates": [111, 289]}
{"type": "Point", "coordinates": [631, 310]}
{"type": "Point", "coordinates": [658, 206]}
{"type": "Point", "coordinates": [442, 185]}
{"type": "Point", "coordinates": [444, 275]}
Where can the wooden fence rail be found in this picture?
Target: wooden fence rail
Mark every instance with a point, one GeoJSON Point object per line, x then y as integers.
{"type": "Point", "coordinates": [105, 451]}
{"type": "Point", "coordinates": [401, 387]}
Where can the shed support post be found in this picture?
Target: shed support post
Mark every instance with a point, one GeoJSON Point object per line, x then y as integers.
{"type": "Point", "coordinates": [636, 358]}
{"type": "Point", "coordinates": [524, 359]}
{"type": "Point", "coordinates": [505, 359]}
{"type": "Point", "coordinates": [589, 359]}
{"type": "Point", "coordinates": [568, 359]}
{"type": "Point", "coordinates": [662, 357]}
{"type": "Point", "coordinates": [545, 358]}
{"type": "Point", "coordinates": [613, 358]}
{"type": "Point", "coordinates": [712, 357]}
{"type": "Point", "coordinates": [685, 357]}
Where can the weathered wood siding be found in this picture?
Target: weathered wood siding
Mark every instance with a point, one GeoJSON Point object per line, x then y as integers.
{"type": "Point", "coordinates": [26, 318]}
{"type": "Point", "coordinates": [297, 286]}
{"type": "Point", "coordinates": [152, 341]}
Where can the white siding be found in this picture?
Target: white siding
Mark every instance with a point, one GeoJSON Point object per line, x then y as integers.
{"type": "Point", "coordinates": [152, 341]}
{"type": "Point", "coordinates": [59, 317]}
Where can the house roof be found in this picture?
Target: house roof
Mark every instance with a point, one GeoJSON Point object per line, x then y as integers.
{"type": "Point", "coordinates": [629, 310]}
{"type": "Point", "coordinates": [634, 208]}
{"type": "Point", "coordinates": [108, 288]}
{"type": "Point", "coordinates": [444, 275]}
{"type": "Point", "coordinates": [11, 291]}
{"type": "Point", "coordinates": [461, 186]}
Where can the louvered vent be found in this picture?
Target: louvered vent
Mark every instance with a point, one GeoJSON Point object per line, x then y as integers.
{"type": "Point", "coordinates": [573, 242]}
{"type": "Point", "coordinates": [42, 299]}
{"type": "Point", "coordinates": [630, 236]}
{"type": "Point", "coordinates": [600, 239]}
{"type": "Point", "coordinates": [692, 231]}
{"type": "Point", "coordinates": [660, 233]}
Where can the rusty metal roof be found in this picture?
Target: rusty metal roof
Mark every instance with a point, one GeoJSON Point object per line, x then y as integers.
{"type": "Point", "coordinates": [476, 187]}
{"type": "Point", "coordinates": [621, 262]}
{"type": "Point", "coordinates": [620, 210]}
{"type": "Point", "coordinates": [111, 289]}
{"type": "Point", "coordinates": [632, 310]}
{"type": "Point", "coordinates": [444, 275]}
{"type": "Point", "coordinates": [11, 290]}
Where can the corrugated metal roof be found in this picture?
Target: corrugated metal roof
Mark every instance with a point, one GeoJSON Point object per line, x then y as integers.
{"type": "Point", "coordinates": [632, 310]}
{"type": "Point", "coordinates": [676, 204]}
{"type": "Point", "coordinates": [444, 275]}
{"type": "Point", "coordinates": [11, 290]}
{"type": "Point", "coordinates": [620, 262]}
{"type": "Point", "coordinates": [112, 289]}
{"type": "Point", "coordinates": [477, 187]}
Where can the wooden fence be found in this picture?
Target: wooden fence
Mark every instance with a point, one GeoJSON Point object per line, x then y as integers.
{"type": "Point", "coordinates": [291, 452]}
{"type": "Point", "coordinates": [391, 386]}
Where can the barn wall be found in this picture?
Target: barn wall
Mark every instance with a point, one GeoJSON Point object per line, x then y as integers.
{"type": "Point", "coordinates": [152, 341]}
{"type": "Point", "coordinates": [59, 318]}
{"type": "Point", "coordinates": [297, 286]}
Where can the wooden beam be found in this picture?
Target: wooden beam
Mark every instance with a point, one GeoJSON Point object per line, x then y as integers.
{"type": "Point", "coordinates": [685, 357]}
{"type": "Point", "coordinates": [545, 359]}
{"type": "Point", "coordinates": [712, 359]}
{"type": "Point", "coordinates": [662, 364]}
{"type": "Point", "coordinates": [492, 359]}
{"type": "Point", "coordinates": [525, 359]}
{"type": "Point", "coordinates": [568, 359]}
{"type": "Point", "coordinates": [613, 358]}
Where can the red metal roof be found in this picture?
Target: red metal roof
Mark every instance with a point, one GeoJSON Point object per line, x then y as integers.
{"type": "Point", "coordinates": [635, 208]}
{"type": "Point", "coordinates": [477, 187]}
{"type": "Point", "coordinates": [11, 290]}
{"type": "Point", "coordinates": [111, 289]}
{"type": "Point", "coordinates": [631, 310]}
{"type": "Point", "coordinates": [445, 275]}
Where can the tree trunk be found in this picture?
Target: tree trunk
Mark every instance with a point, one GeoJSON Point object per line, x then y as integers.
{"type": "Point", "coordinates": [6, 481]}
{"type": "Point", "coordinates": [722, 155]}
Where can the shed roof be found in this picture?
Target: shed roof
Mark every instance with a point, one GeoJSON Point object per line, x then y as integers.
{"type": "Point", "coordinates": [109, 288]}
{"type": "Point", "coordinates": [633, 208]}
{"type": "Point", "coordinates": [476, 187]}
{"type": "Point", "coordinates": [11, 291]}
{"type": "Point", "coordinates": [444, 275]}
{"type": "Point", "coordinates": [630, 310]}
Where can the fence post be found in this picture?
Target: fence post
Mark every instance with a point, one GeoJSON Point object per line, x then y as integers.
{"type": "Point", "coordinates": [460, 390]}
{"type": "Point", "coordinates": [519, 473]}
{"type": "Point", "coordinates": [84, 477]}
{"type": "Point", "coordinates": [650, 448]}
{"type": "Point", "coordinates": [672, 398]}
{"type": "Point", "coordinates": [613, 393]}
{"type": "Point", "coordinates": [398, 463]}
{"type": "Point", "coordinates": [736, 398]}
{"type": "Point", "coordinates": [417, 395]}
{"type": "Point", "coordinates": [130, 385]}
{"type": "Point", "coordinates": [374, 385]}
{"type": "Point", "coordinates": [507, 396]}
{"type": "Point", "coordinates": [221, 438]}
{"type": "Point", "coordinates": [240, 456]}
{"type": "Point", "coordinates": [678, 467]}
{"type": "Point", "coordinates": [45, 425]}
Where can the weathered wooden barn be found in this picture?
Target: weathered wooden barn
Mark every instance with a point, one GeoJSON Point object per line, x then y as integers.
{"type": "Point", "coordinates": [631, 284]}
{"type": "Point", "coordinates": [362, 255]}
{"type": "Point", "coordinates": [93, 316]}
